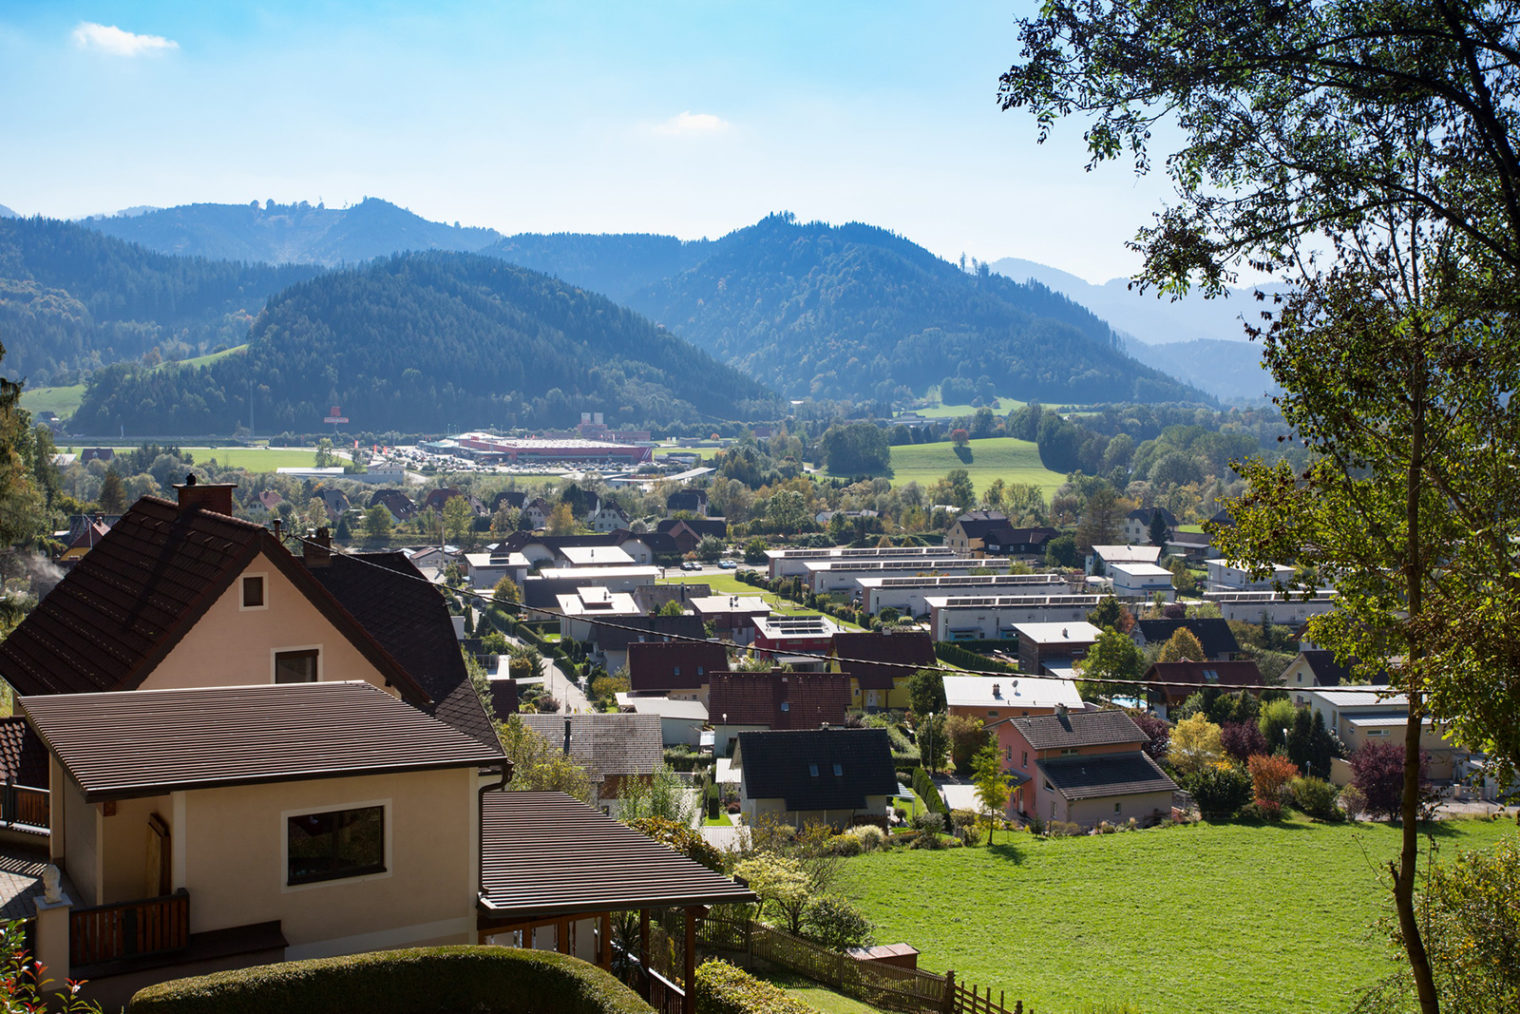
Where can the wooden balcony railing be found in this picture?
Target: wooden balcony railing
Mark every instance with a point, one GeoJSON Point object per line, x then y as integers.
{"type": "Point", "coordinates": [129, 929]}
{"type": "Point", "coordinates": [20, 804]}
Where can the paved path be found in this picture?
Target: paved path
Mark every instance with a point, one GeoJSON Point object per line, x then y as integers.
{"type": "Point", "coordinates": [571, 700]}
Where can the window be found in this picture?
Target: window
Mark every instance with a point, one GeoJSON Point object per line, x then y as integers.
{"type": "Point", "coordinates": [296, 666]}
{"type": "Point", "coordinates": [253, 592]}
{"type": "Point", "coordinates": [335, 844]}
{"type": "Point", "coordinates": [1025, 762]}
{"type": "Point", "coordinates": [813, 770]}
{"type": "Point", "coordinates": [838, 770]}
{"type": "Point", "coordinates": [1116, 807]}
{"type": "Point", "coordinates": [1008, 753]}
{"type": "Point", "coordinates": [676, 671]}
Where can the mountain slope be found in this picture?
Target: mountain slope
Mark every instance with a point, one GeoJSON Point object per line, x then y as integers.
{"type": "Point", "coordinates": [857, 312]}
{"type": "Point", "coordinates": [290, 234]}
{"type": "Point", "coordinates": [1152, 319]}
{"type": "Point", "coordinates": [72, 299]}
{"type": "Point", "coordinates": [431, 341]}
{"type": "Point", "coordinates": [617, 265]}
{"type": "Point", "coordinates": [1230, 371]}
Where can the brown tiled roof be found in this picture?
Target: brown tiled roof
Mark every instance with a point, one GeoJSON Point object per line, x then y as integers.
{"type": "Point", "coordinates": [23, 758]}
{"type": "Point", "coordinates": [1220, 674]}
{"type": "Point", "coordinates": [546, 854]}
{"type": "Point", "coordinates": [657, 667]}
{"type": "Point", "coordinates": [779, 700]}
{"type": "Point", "coordinates": [818, 769]}
{"type": "Point", "coordinates": [631, 629]}
{"type": "Point", "coordinates": [1214, 635]}
{"type": "Point", "coordinates": [391, 599]}
{"type": "Point", "coordinates": [609, 745]}
{"type": "Point", "coordinates": [861, 655]}
{"type": "Point", "coordinates": [1077, 729]}
{"type": "Point", "coordinates": [146, 742]}
{"type": "Point", "coordinates": [1105, 774]}
{"type": "Point", "coordinates": [120, 612]}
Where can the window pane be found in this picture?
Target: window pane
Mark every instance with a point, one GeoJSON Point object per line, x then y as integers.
{"type": "Point", "coordinates": [295, 666]}
{"type": "Point", "coordinates": [339, 843]}
{"type": "Point", "coordinates": [253, 592]}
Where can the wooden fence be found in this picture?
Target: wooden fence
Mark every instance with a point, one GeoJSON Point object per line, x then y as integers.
{"type": "Point", "coordinates": [129, 929]}
{"type": "Point", "coordinates": [966, 1001]}
{"type": "Point", "coordinates": [22, 805]}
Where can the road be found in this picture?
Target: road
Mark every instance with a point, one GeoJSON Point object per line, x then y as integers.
{"type": "Point", "coordinates": [571, 699]}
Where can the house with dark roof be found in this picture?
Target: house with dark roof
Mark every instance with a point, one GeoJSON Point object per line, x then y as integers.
{"type": "Point", "coordinates": [1009, 541]}
{"type": "Point", "coordinates": [837, 777]}
{"type": "Point", "coordinates": [608, 517]}
{"type": "Point", "coordinates": [1084, 767]}
{"type": "Point", "coordinates": [740, 702]}
{"type": "Point", "coordinates": [611, 640]}
{"type": "Point", "coordinates": [879, 664]}
{"type": "Point", "coordinates": [1137, 524]}
{"type": "Point", "coordinates": [398, 503]}
{"type": "Point", "coordinates": [613, 748]}
{"type": "Point", "coordinates": [334, 500]}
{"type": "Point", "coordinates": [716, 527]}
{"type": "Point", "coordinates": [82, 540]}
{"type": "Point", "coordinates": [693, 500]}
{"type": "Point", "coordinates": [1317, 667]}
{"type": "Point", "coordinates": [1171, 683]}
{"type": "Point", "coordinates": [1214, 635]}
{"type": "Point", "coordinates": [677, 669]}
{"type": "Point", "coordinates": [513, 498]}
{"type": "Point", "coordinates": [967, 534]}
{"type": "Point", "coordinates": [437, 499]}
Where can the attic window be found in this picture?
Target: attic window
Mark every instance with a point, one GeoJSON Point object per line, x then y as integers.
{"type": "Point", "coordinates": [676, 671]}
{"type": "Point", "coordinates": [253, 592]}
{"type": "Point", "coordinates": [813, 770]}
{"type": "Point", "coordinates": [296, 666]}
{"type": "Point", "coordinates": [838, 770]}
{"type": "Point", "coordinates": [1211, 675]}
{"type": "Point", "coordinates": [787, 706]}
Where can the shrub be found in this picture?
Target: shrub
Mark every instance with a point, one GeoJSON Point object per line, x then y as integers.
{"type": "Point", "coordinates": [929, 821]}
{"type": "Point", "coordinates": [835, 923]}
{"type": "Point", "coordinates": [1377, 769]}
{"type": "Point", "coordinates": [1064, 829]}
{"type": "Point", "coordinates": [963, 818]}
{"type": "Point", "coordinates": [400, 982]}
{"type": "Point", "coordinates": [971, 834]}
{"type": "Point", "coordinates": [1220, 791]}
{"type": "Point", "coordinates": [1352, 801]}
{"type": "Point", "coordinates": [844, 845]}
{"type": "Point", "coordinates": [871, 837]}
{"type": "Point", "coordinates": [1314, 796]}
{"type": "Point", "coordinates": [722, 988]}
{"type": "Point", "coordinates": [683, 839]}
{"type": "Point", "coordinates": [930, 840]}
{"type": "Point", "coordinates": [1269, 776]}
{"type": "Point", "coordinates": [1242, 739]}
{"type": "Point", "coordinates": [924, 785]}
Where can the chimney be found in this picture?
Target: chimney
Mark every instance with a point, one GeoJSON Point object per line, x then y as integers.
{"type": "Point", "coordinates": [210, 496]}
{"type": "Point", "coordinates": [997, 690]}
{"type": "Point", "coordinates": [567, 737]}
{"type": "Point", "coordinates": [279, 531]}
{"type": "Point", "coordinates": [1061, 710]}
{"type": "Point", "coordinates": [317, 551]}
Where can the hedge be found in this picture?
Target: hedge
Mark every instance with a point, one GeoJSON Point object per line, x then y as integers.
{"type": "Point", "coordinates": [418, 980]}
{"type": "Point", "coordinates": [726, 989]}
{"type": "Point", "coordinates": [956, 655]}
{"type": "Point", "coordinates": [924, 785]}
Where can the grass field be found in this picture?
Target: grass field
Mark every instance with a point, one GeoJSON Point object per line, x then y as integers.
{"type": "Point", "coordinates": [724, 583]}
{"type": "Point", "coordinates": [62, 400]}
{"type": "Point", "coordinates": [809, 992]}
{"type": "Point", "coordinates": [256, 459]}
{"type": "Point", "coordinates": [991, 458]}
{"type": "Point", "coordinates": [1230, 919]}
{"type": "Point", "coordinates": [207, 359]}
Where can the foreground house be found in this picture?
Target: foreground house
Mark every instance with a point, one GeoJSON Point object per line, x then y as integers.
{"type": "Point", "coordinates": [837, 777]}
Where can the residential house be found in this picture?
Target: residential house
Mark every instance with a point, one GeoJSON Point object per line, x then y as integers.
{"type": "Point", "coordinates": [798, 641]}
{"type": "Point", "coordinates": [608, 517]}
{"type": "Point", "coordinates": [994, 699]}
{"type": "Point", "coordinates": [965, 536]}
{"type": "Point", "coordinates": [82, 540]}
{"type": "Point", "coordinates": [535, 514]}
{"type": "Point", "coordinates": [1214, 635]}
{"type": "Point", "coordinates": [613, 748]}
{"type": "Point", "coordinates": [1137, 524]}
{"type": "Point", "coordinates": [485, 570]}
{"type": "Point", "coordinates": [678, 669]}
{"type": "Point", "coordinates": [1195, 547]}
{"type": "Point", "coordinates": [692, 500]}
{"type": "Point", "coordinates": [611, 641]}
{"type": "Point", "coordinates": [732, 617]}
{"type": "Point", "coordinates": [1361, 715]}
{"type": "Point", "coordinates": [909, 594]}
{"type": "Point", "coordinates": [1101, 558]}
{"type": "Point", "coordinates": [880, 663]}
{"type": "Point", "coordinates": [681, 721]}
{"type": "Point", "coordinates": [592, 556]}
{"type": "Point", "coordinates": [757, 701]}
{"type": "Point", "coordinates": [89, 454]}
{"type": "Point", "coordinates": [1256, 606]}
{"type": "Point", "coordinates": [1046, 646]}
{"type": "Point", "coordinates": [653, 597]}
{"type": "Point", "coordinates": [544, 588]}
{"type": "Point", "coordinates": [396, 502]}
{"type": "Point", "coordinates": [334, 501]}
{"type": "Point", "coordinates": [1317, 667]}
{"type": "Point", "coordinates": [513, 498]}
{"type": "Point", "coordinates": [1010, 541]}
{"type": "Point", "coordinates": [972, 617]}
{"type": "Point", "coordinates": [1228, 576]}
{"type": "Point", "coordinates": [583, 608]}
{"type": "Point", "coordinates": [1172, 683]}
{"type": "Point", "coordinates": [837, 777]}
{"type": "Point", "coordinates": [700, 526]}
{"type": "Point", "coordinates": [437, 499]}
{"type": "Point", "coordinates": [1140, 581]}
{"type": "Point", "coordinates": [1085, 767]}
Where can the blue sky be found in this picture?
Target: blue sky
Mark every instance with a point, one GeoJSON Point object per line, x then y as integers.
{"type": "Point", "coordinates": [683, 118]}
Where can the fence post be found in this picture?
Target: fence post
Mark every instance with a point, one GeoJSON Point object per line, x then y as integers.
{"type": "Point", "coordinates": [949, 1000]}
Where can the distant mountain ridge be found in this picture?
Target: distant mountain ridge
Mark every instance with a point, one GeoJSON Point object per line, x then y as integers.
{"type": "Point", "coordinates": [7, 212]}
{"type": "Point", "coordinates": [1230, 371]}
{"type": "Point", "coordinates": [1152, 319]}
{"type": "Point", "coordinates": [289, 233]}
{"type": "Point", "coordinates": [428, 342]}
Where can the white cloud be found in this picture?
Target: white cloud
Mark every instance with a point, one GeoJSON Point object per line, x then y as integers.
{"type": "Point", "coordinates": [110, 39]}
{"type": "Point", "coordinates": [692, 124]}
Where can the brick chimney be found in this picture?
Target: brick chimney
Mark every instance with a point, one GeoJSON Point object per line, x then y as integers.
{"type": "Point", "coordinates": [206, 496]}
{"type": "Point", "coordinates": [317, 549]}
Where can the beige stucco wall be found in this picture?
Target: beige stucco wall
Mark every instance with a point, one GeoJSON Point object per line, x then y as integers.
{"type": "Point", "coordinates": [232, 646]}
{"type": "Point", "coordinates": [81, 857]}
{"type": "Point", "coordinates": [232, 862]}
{"type": "Point", "coordinates": [124, 847]}
{"type": "Point", "coordinates": [1143, 807]}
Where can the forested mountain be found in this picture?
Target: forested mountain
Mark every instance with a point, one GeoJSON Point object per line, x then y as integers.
{"type": "Point", "coordinates": [1228, 370]}
{"type": "Point", "coordinates": [7, 212]}
{"type": "Point", "coordinates": [425, 342]}
{"type": "Point", "coordinates": [616, 265]}
{"type": "Point", "coordinates": [290, 233]}
{"type": "Point", "coordinates": [855, 311]}
{"type": "Point", "coordinates": [72, 300]}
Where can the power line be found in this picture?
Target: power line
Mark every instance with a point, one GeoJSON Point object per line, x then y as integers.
{"type": "Point", "coordinates": [749, 649]}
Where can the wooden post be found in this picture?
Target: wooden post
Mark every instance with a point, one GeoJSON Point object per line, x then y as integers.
{"type": "Point", "coordinates": [606, 948]}
{"type": "Point", "coordinates": [689, 1001]}
{"type": "Point", "coordinates": [644, 944]}
{"type": "Point", "coordinates": [564, 936]}
{"type": "Point", "coordinates": [948, 1003]}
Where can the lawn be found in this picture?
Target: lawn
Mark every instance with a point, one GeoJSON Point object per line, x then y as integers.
{"type": "Point", "coordinates": [985, 460]}
{"type": "Point", "coordinates": [209, 357]}
{"type": "Point", "coordinates": [256, 459]}
{"type": "Point", "coordinates": [1221, 918]}
{"type": "Point", "coordinates": [61, 400]}
{"type": "Point", "coordinates": [725, 583]}
{"type": "Point", "coordinates": [814, 995]}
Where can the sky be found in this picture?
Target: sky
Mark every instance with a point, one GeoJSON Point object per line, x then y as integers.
{"type": "Point", "coordinates": [691, 119]}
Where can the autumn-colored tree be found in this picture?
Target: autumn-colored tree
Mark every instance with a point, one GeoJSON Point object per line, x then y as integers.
{"type": "Point", "coordinates": [959, 437]}
{"type": "Point", "coordinates": [1269, 773]}
{"type": "Point", "coordinates": [1182, 646]}
{"type": "Point", "coordinates": [1194, 745]}
{"type": "Point", "coordinates": [561, 520]}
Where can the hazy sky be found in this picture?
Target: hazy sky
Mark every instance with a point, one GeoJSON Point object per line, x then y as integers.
{"type": "Point", "coordinates": [684, 118]}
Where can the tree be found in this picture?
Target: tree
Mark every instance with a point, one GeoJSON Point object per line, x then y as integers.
{"type": "Point", "coordinates": [506, 594]}
{"type": "Point", "coordinates": [1101, 516]}
{"type": "Point", "coordinates": [926, 693]}
{"type": "Point", "coordinates": [1377, 769]}
{"type": "Point", "coordinates": [113, 493]}
{"type": "Point", "coordinates": [1158, 532]}
{"type": "Point", "coordinates": [933, 742]}
{"type": "Point", "coordinates": [1182, 646]}
{"type": "Point", "coordinates": [325, 457]}
{"type": "Point", "coordinates": [855, 449]}
{"type": "Point", "coordinates": [778, 881]}
{"type": "Point", "coordinates": [377, 522]}
{"type": "Point", "coordinates": [661, 795]}
{"type": "Point", "coordinates": [1110, 615]}
{"type": "Point", "coordinates": [991, 785]}
{"type": "Point", "coordinates": [1061, 551]}
{"type": "Point", "coordinates": [709, 548]}
{"type": "Point", "coordinates": [538, 766]}
{"type": "Point", "coordinates": [835, 923]}
{"type": "Point", "coordinates": [1220, 791]}
{"type": "Point", "coordinates": [1242, 739]}
{"type": "Point", "coordinates": [1269, 775]}
{"type": "Point", "coordinates": [1384, 135]}
{"type": "Point", "coordinates": [685, 840]}
{"type": "Point", "coordinates": [787, 511]}
{"type": "Point", "coordinates": [967, 737]}
{"type": "Point", "coordinates": [457, 518]}
{"type": "Point", "coordinates": [1112, 657]}
{"type": "Point", "coordinates": [561, 519]}
{"type": "Point", "coordinates": [1195, 744]}
{"type": "Point", "coordinates": [1158, 731]}
{"type": "Point", "coordinates": [959, 437]}
{"type": "Point", "coordinates": [671, 608]}
{"type": "Point", "coordinates": [754, 550]}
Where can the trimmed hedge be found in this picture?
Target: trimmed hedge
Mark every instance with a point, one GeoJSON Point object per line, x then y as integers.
{"type": "Point", "coordinates": [924, 785]}
{"type": "Point", "coordinates": [727, 989]}
{"type": "Point", "coordinates": [418, 980]}
{"type": "Point", "coordinates": [954, 654]}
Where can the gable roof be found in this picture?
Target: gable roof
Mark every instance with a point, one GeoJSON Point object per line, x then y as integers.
{"type": "Point", "coordinates": [1105, 774]}
{"type": "Point", "coordinates": [865, 655]}
{"type": "Point", "coordinates": [146, 742]}
{"type": "Point", "coordinates": [1005, 535]}
{"type": "Point", "coordinates": [119, 613]}
{"type": "Point", "coordinates": [607, 744]}
{"type": "Point", "coordinates": [818, 769]}
{"type": "Point", "coordinates": [779, 700]}
{"type": "Point", "coordinates": [1214, 674]}
{"type": "Point", "coordinates": [23, 758]}
{"type": "Point", "coordinates": [662, 666]}
{"type": "Point", "coordinates": [1327, 671]}
{"type": "Point", "coordinates": [632, 629]}
{"type": "Point", "coordinates": [976, 524]}
{"type": "Point", "coordinates": [1214, 634]}
{"type": "Point", "coordinates": [1078, 729]}
{"type": "Point", "coordinates": [391, 599]}
{"type": "Point", "coordinates": [1145, 514]}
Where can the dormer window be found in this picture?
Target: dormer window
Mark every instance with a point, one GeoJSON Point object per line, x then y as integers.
{"type": "Point", "coordinates": [838, 770]}
{"type": "Point", "coordinates": [254, 592]}
{"type": "Point", "coordinates": [813, 770]}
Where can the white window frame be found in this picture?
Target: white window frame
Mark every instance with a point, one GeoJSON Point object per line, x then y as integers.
{"type": "Point", "coordinates": [274, 653]}
{"type": "Point", "coordinates": [286, 887]}
{"type": "Point", "coordinates": [262, 575]}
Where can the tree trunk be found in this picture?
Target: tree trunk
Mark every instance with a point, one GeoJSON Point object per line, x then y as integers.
{"type": "Point", "coordinates": [1409, 854]}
